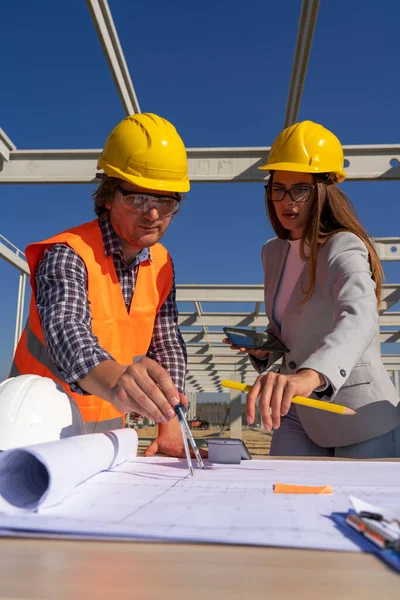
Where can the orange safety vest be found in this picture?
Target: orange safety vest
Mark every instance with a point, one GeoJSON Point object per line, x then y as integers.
{"type": "Point", "coordinates": [123, 334]}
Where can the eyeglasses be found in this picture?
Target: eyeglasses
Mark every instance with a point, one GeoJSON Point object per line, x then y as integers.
{"type": "Point", "coordinates": [298, 193]}
{"type": "Point", "coordinates": [140, 202]}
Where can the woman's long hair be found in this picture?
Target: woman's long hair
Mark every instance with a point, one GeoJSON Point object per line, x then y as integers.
{"type": "Point", "coordinates": [333, 212]}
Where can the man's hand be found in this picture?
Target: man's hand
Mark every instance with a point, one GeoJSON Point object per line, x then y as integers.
{"type": "Point", "coordinates": [169, 440]}
{"type": "Point", "coordinates": [146, 388]}
{"type": "Point", "coordinates": [276, 392]}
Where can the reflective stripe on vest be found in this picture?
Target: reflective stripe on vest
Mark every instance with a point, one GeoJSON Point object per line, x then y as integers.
{"type": "Point", "coordinates": [38, 350]}
{"type": "Point", "coordinates": [123, 333]}
{"type": "Point", "coordinates": [14, 370]}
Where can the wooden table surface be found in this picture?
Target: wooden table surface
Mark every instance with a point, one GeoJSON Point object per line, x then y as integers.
{"type": "Point", "coordinates": [55, 569]}
{"type": "Point", "coordinates": [49, 569]}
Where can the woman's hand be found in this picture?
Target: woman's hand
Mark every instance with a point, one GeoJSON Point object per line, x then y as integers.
{"type": "Point", "coordinates": [261, 354]}
{"type": "Point", "coordinates": [276, 392]}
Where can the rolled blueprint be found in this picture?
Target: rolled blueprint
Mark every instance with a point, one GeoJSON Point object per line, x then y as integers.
{"type": "Point", "coordinates": [39, 476]}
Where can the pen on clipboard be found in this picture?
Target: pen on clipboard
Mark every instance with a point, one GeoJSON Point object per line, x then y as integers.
{"type": "Point", "coordinates": [320, 404]}
{"type": "Point", "coordinates": [187, 436]}
{"type": "Point", "coordinates": [376, 529]}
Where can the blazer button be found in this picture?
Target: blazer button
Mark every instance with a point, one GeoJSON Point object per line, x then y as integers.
{"type": "Point", "coordinates": [343, 373]}
{"type": "Point", "coordinates": [292, 365]}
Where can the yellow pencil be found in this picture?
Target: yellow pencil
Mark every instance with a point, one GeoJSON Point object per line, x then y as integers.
{"type": "Point", "coordinates": [330, 407]}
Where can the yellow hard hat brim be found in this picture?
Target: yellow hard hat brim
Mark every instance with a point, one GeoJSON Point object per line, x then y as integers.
{"type": "Point", "coordinates": [298, 168]}
{"type": "Point", "coordinates": [181, 186]}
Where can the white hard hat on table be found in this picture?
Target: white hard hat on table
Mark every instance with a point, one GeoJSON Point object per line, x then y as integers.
{"type": "Point", "coordinates": [34, 410]}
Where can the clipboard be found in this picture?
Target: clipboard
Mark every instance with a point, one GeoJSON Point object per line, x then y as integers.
{"type": "Point", "coordinates": [390, 556]}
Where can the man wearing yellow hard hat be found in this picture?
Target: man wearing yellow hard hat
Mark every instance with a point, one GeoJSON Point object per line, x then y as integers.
{"type": "Point", "coordinates": [103, 316]}
{"type": "Point", "coordinates": [322, 290]}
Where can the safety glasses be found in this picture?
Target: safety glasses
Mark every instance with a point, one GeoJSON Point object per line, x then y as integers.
{"type": "Point", "coordinates": [140, 202]}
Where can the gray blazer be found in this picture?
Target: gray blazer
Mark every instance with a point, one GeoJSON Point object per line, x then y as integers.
{"type": "Point", "coordinates": [334, 333]}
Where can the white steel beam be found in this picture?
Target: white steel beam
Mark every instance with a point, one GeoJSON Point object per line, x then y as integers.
{"type": "Point", "coordinates": [198, 344]}
{"type": "Point", "coordinates": [6, 146]}
{"type": "Point", "coordinates": [388, 249]}
{"type": "Point", "coordinates": [194, 359]}
{"type": "Point", "coordinates": [391, 362]}
{"type": "Point", "coordinates": [218, 370]}
{"type": "Point", "coordinates": [257, 308]}
{"type": "Point", "coordinates": [13, 255]}
{"type": "Point", "coordinates": [215, 386]}
{"type": "Point", "coordinates": [390, 319]}
{"type": "Point", "coordinates": [396, 381]}
{"type": "Point", "coordinates": [201, 350]}
{"type": "Point", "coordinates": [389, 337]}
{"type": "Point", "coordinates": [305, 34]}
{"type": "Point", "coordinates": [200, 363]}
{"type": "Point", "coordinates": [201, 378]}
{"type": "Point", "coordinates": [204, 292]}
{"type": "Point", "coordinates": [50, 166]}
{"type": "Point", "coordinates": [225, 319]}
{"type": "Point", "coordinates": [206, 165]}
{"type": "Point", "coordinates": [221, 319]}
{"type": "Point", "coordinates": [104, 24]}
{"type": "Point", "coordinates": [16, 258]}
{"type": "Point", "coordinates": [20, 309]}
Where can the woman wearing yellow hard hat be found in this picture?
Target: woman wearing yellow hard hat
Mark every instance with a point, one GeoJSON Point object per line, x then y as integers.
{"type": "Point", "coordinates": [322, 288]}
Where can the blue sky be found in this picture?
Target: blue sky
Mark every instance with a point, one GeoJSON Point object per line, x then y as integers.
{"type": "Point", "coordinates": [220, 72]}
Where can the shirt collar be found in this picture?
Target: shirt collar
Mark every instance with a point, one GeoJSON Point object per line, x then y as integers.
{"type": "Point", "coordinates": [112, 244]}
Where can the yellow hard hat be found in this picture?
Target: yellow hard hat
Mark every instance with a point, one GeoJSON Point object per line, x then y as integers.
{"type": "Point", "coordinates": [307, 147]}
{"type": "Point", "coordinates": [146, 150]}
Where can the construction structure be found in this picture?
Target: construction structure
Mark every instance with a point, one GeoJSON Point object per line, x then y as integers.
{"type": "Point", "coordinates": [209, 360]}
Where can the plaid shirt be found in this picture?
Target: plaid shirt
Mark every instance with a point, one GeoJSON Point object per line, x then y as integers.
{"type": "Point", "coordinates": [62, 302]}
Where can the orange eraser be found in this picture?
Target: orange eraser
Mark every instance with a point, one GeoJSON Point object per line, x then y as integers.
{"type": "Point", "coordinates": [283, 488]}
